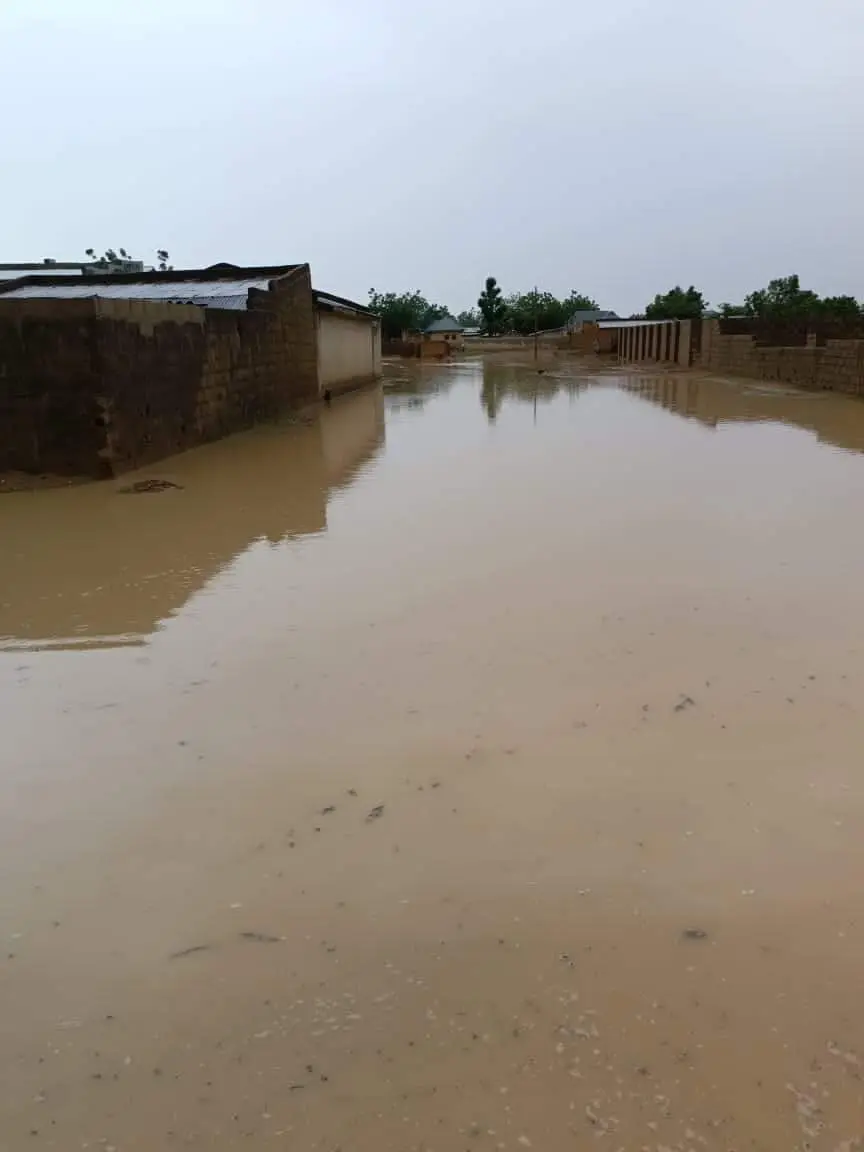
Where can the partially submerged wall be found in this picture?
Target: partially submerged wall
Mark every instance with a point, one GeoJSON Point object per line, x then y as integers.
{"type": "Point", "coordinates": [349, 351]}
{"type": "Point", "coordinates": [835, 365]}
{"type": "Point", "coordinates": [96, 387]}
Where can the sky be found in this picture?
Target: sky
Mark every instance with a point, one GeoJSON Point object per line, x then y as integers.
{"type": "Point", "coordinates": [613, 148]}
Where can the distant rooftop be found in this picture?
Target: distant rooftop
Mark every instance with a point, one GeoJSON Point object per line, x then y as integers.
{"type": "Point", "coordinates": [589, 316]}
{"type": "Point", "coordinates": [640, 323]}
{"type": "Point", "coordinates": [445, 324]}
{"type": "Point", "coordinates": [15, 271]}
{"type": "Point", "coordinates": [220, 286]}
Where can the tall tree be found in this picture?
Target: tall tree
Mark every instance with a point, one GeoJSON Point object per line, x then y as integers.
{"type": "Point", "coordinates": [676, 304]}
{"type": "Point", "coordinates": [492, 307]}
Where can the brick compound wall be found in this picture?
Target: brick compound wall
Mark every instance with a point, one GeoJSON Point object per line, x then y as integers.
{"type": "Point", "coordinates": [97, 387]}
{"type": "Point", "coordinates": [835, 365]}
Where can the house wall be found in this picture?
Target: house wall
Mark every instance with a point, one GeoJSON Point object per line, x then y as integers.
{"type": "Point", "coordinates": [837, 365]}
{"type": "Point", "coordinates": [97, 387]}
{"type": "Point", "coordinates": [349, 351]}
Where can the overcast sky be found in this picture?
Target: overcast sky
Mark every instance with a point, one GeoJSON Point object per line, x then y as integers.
{"type": "Point", "coordinates": [616, 148]}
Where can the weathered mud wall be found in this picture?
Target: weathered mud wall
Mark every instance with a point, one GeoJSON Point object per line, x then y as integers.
{"type": "Point", "coordinates": [96, 387]}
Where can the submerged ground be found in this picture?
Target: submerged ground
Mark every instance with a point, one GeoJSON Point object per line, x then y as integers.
{"type": "Point", "coordinates": [475, 765]}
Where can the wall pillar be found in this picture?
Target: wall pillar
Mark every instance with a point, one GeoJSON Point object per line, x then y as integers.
{"type": "Point", "coordinates": [684, 343]}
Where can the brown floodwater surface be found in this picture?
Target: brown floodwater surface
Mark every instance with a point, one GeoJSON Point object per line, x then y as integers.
{"type": "Point", "coordinates": [477, 764]}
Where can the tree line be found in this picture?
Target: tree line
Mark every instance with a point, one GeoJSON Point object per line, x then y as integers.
{"type": "Point", "coordinates": [495, 314]}
{"type": "Point", "coordinates": [783, 301]}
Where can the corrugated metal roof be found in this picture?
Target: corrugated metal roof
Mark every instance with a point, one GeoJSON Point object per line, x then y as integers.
{"type": "Point", "coordinates": [328, 300]}
{"type": "Point", "coordinates": [219, 293]}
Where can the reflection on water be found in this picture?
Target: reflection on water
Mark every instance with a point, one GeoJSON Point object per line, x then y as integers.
{"type": "Point", "coordinates": [525, 384]}
{"type": "Point", "coordinates": [835, 420]}
{"type": "Point", "coordinates": [91, 567]}
{"type": "Point", "coordinates": [500, 790]}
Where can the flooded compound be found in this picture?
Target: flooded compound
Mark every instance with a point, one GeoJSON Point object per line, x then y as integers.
{"type": "Point", "coordinates": [474, 765]}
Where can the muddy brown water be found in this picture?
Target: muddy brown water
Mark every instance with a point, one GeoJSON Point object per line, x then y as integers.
{"type": "Point", "coordinates": [476, 765]}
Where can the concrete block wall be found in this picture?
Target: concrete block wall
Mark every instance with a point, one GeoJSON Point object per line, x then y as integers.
{"type": "Point", "coordinates": [837, 366]}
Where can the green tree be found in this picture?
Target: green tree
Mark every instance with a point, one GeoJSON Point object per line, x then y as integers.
{"type": "Point", "coordinates": [840, 308]}
{"type": "Point", "coordinates": [403, 311]}
{"type": "Point", "coordinates": [112, 255]}
{"type": "Point", "coordinates": [470, 318]}
{"type": "Point", "coordinates": [784, 299]}
{"type": "Point", "coordinates": [676, 304]}
{"type": "Point", "coordinates": [527, 309]}
{"type": "Point", "coordinates": [576, 302]}
{"type": "Point", "coordinates": [493, 308]}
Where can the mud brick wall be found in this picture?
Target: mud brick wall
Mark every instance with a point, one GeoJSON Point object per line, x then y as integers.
{"type": "Point", "coordinates": [97, 387]}
{"type": "Point", "coordinates": [838, 365]}
{"type": "Point", "coordinates": [50, 418]}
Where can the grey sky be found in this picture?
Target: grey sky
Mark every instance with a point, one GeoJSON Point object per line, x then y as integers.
{"type": "Point", "coordinates": [613, 148]}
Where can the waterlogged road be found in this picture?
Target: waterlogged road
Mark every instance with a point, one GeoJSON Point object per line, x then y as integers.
{"type": "Point", "coordinates": [477, 765]}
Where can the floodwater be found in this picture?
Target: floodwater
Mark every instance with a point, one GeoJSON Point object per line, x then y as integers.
{"type": "Point", "coordinates": [474, 766]}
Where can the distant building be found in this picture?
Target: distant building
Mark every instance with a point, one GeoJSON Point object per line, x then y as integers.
{"type": "Point", "coordinates": [446, 329]}
{"type": "Point", "coordinates": [589, 316]}
{"type": "Point", "coordinates": [13, 271]}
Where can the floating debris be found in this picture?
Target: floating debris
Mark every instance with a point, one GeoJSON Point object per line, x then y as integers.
{"type": "Point", "coordinates": [141, 486]}
{"type": "Point", "coordinates": [375, 814]}
{"type": "Point", "coordinates": [189, 951]}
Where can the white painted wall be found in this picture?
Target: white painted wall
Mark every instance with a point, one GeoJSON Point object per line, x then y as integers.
{"type": "Point", "coordinates": [349, 350]}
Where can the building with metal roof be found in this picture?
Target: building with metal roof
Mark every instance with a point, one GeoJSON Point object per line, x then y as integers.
{"type": "Point", "coordinates": [157, 362]}
{"type": "Point", "coordinates": [443, 324]}
{"type": "Point", "coordinates": [589, 316]}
